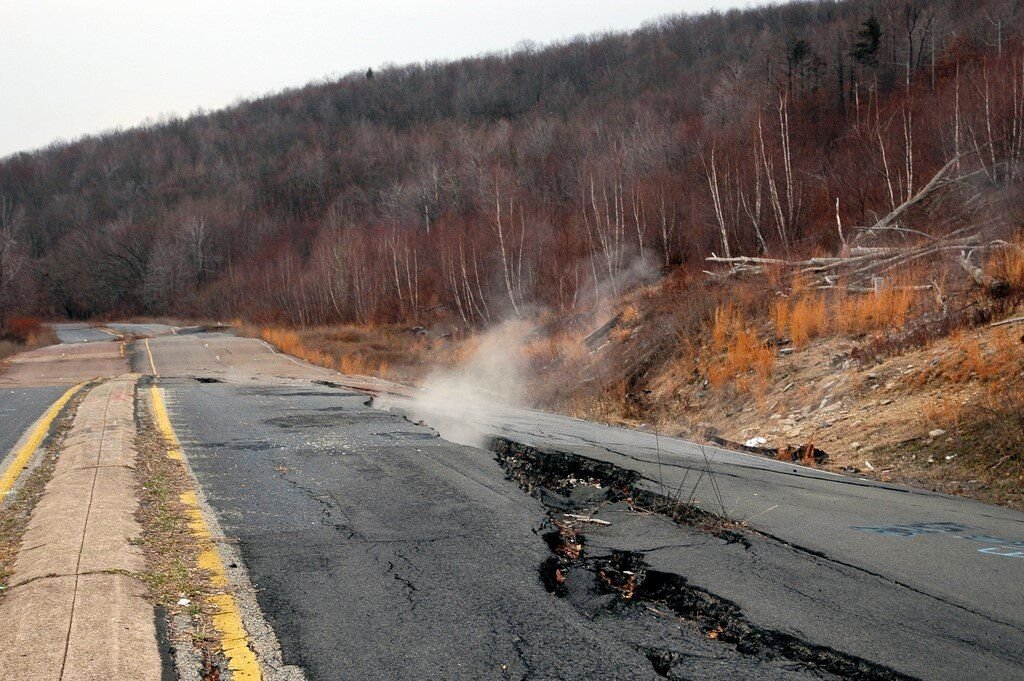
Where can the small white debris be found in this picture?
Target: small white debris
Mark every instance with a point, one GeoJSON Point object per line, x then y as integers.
{"type": "Point", "coordinates": [931, 459]}
{"type": "Point", "coordinates": [868, 465]}
{"type": "Point", "coordinates": [755, 442]}
{"type": "Point", "coordinates": [854, 445]}
{"type": "Point", "coordinates": [938, 432]}
{"type": "Point", "coordinates": [184, 601]}
{"type": "Point", "coordinates": [586, 519]}
{"type": "Point", "coordinates": [950, 457]}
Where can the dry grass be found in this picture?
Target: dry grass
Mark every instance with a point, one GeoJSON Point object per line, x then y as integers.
{"type": "Point", "coordinates": [808, 319]}
{"type": "Point", "coordinates": [25, 333]}
{"type": "Point", "coordinates": [975, 356]}
{"type": "Point", "coordinates": [1008, 263]}
{"type": "Point", "coordinates": [942, 411]}
{"type": "Point", "coordinates": [610, 404]}
{"type": "Point", "coordinates": [546, 350]}
{"type": "Point", "coordinates": [9, 349]}
{"type": "Point", "coordinates": [169, 544]}
{"type": "Point", "coordinates": [342, 350]}
{"type": "Point", "coordinates": [887, 308]}
{"type": "Point", "coordinates": [393, 352]}
{"type": "Point", "coordinates": [809, 314]}
{"type": "Point", "coordinates": [739, 355]}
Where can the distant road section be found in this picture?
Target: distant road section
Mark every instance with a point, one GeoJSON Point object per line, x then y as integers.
{"type": "Point", "coordinates": [81, 333]}
{"type": "Point", "coordinates": [143, 329]}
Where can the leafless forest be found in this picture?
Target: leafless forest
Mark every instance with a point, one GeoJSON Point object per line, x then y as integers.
{"type": "Point", "coordinates": [541, 178]}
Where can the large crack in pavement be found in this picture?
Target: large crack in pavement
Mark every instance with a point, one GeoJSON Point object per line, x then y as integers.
{"type": "Point", "coordinates": [573, 488]}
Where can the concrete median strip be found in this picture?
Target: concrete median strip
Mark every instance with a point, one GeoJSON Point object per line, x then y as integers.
{"type": "Point", "coordinates": [74, 608]}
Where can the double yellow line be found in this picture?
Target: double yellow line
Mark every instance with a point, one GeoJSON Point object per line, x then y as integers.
{"type": "Point", "coordinates": [227, 620]}
{"type": "Point", "coordinates": [31, 444]}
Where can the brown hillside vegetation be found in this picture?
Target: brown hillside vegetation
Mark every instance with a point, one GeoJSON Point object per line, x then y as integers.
{"type": "Point", "coordinates": [547, 178]}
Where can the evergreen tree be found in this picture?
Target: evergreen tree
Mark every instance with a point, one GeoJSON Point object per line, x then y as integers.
{"type": "Point", "coordinates": [869, 38]}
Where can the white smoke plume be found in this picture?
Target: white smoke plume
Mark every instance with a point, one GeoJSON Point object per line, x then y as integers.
{"type": "Point", "coordinates": [454, 401]}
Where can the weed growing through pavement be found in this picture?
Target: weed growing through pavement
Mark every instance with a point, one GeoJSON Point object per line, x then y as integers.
{"type": "Point", "coordinates": [169, 544]}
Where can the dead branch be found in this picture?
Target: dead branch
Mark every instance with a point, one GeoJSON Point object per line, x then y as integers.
{"type": "Point", "coordinates": [997, 288]}
{"type": "Point", "coordinates": [1012, 320]}
{"type": "Point", "coordinates": [889, 221]}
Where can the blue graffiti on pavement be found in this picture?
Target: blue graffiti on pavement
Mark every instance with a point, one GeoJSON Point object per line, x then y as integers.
{"type": "Point", "coordinates": [1005, 548]}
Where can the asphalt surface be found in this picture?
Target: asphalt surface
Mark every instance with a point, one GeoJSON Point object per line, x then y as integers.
{"type": "Point", "coordinates": [36, 379]}
{"type": "Point", "coordinates": [150, 329]}
{"type": "Point", "coordinates": [81, 333]}
{"type": "Point", "coordinates": [19, 408]}
{"type": "Point", "coordinates": [379, 550]}
{"type": "Point", "coordinates": [329, 502]}
{"type": "Point", "coordinates": [898, 533]}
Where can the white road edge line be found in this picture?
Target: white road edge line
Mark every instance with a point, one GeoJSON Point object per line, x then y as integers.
{"type": "Point", "coordinates": [278, 352]}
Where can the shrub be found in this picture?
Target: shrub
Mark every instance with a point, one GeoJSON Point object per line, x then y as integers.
{"type": "Point", "coordinates": [23, 329]}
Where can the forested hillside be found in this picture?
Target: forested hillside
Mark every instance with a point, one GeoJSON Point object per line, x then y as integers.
{"type": "Point", "coordinates": [540, 178]}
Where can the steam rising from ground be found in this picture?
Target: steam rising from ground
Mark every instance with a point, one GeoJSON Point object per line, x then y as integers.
{"type": "Point", "coordinates": [492, 377]}
{"type": "Point", "coordinates": [452, 401]}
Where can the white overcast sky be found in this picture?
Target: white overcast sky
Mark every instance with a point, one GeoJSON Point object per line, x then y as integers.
{"type": "Point", "coordinates": [74, 67]}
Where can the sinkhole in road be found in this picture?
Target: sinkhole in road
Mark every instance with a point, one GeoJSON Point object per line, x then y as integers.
{"type": "Point", "coordinates": [574, 489]}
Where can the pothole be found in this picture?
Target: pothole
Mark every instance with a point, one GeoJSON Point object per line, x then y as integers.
{"type": "Point", "coordinates": [574, 488]}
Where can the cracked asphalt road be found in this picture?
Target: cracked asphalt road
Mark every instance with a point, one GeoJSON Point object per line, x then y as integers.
{"type": "Point", "coordinates": [381, 551]}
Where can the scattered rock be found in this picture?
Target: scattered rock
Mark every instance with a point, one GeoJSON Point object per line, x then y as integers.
{"type": "Point", "coordinates": [854, 445]}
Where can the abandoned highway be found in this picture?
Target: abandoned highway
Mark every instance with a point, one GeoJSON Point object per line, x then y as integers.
{"type": "Point", "coordinates": [366, 534]}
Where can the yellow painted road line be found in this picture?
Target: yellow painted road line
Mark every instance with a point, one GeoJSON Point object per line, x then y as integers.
{"type": "Point", "coordinates": [163, 423]}
{"type": "Point", "coordinates": [35, 438]}
{"type": "Point", "coordinates": [227, 620]}
{"type": "Point", "coordinates": [152, 365]}
{"type": "Point", "coordinates": [112, 333]}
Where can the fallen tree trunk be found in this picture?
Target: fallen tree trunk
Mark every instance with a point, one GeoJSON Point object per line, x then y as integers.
{"type": "Point", "coordinates": [997, 288]}
{"type": "Point", "coordinates": [1012, 320]}
{"type": "Point", "coordinates": [888, 222]}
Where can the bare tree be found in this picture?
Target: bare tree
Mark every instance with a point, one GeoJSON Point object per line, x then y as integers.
{"type": "Point", "coordinates": [12, 259]}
